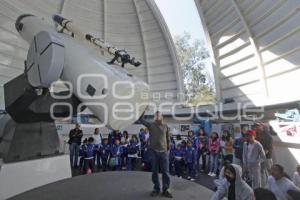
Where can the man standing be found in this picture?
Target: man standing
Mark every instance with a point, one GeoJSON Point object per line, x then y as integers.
{"type": "Point", "coordinates": [159, 141]}
{"type": "Point", "coordinates": [253, 156]}
{"type": "Point", "coordinates": [75, 136]}
{"type": "Point", "coordinates": [266, 140]}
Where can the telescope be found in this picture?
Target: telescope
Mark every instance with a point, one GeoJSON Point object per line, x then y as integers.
{"type": "Point", "coordinates": [121, 56]}
{"type": "Point", "coordinates": [114, 96]}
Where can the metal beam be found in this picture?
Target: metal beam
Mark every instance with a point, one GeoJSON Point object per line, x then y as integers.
{"type": "Point", "coordinates": [257, 54]}
{"type": "Point", "coordinates": [143, 40]}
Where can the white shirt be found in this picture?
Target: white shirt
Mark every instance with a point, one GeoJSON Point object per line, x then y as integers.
{"type": "Point", "coordinates": [146, 136]}
{"type": "Point", "coordinates": [97, 139]}
{"type": "Point", "coordinates": [249, 150]}
{"type": "Point", "coordinates": [281, 187]}
{"type": "Point", "coordinates": [296, 179]}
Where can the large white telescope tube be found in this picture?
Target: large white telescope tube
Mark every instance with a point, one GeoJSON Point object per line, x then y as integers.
{"type": "Point", "coordinates": [114, 96]}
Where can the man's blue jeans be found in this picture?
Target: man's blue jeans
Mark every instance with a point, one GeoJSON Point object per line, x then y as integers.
{"type": "Point", "coordinates": [160, 161]}
{"type": "Point", "coordinates": [74, 152]}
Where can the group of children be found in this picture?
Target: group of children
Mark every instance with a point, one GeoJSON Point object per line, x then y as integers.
{"type": "Point", "coordinates": [183, 158]}
{"type": "Point", "coordinates": [116, 152]}
{"type": "Point", "coordinates": [120, 152]}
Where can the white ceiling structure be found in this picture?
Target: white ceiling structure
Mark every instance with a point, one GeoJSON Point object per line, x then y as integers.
{"type": "Point", "coordinates": [255, 43]}
{"type": "Point", "coordinates": [135, 25]}
{"type": "Point", "coordinates": [256, 48]}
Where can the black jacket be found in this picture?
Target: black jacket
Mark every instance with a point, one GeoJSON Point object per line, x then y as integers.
{"type": "Point", "coordinates": [75, 136]}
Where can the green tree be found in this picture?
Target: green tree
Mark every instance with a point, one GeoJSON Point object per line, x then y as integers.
{"type": "Point", "coordinates": [193, 57]}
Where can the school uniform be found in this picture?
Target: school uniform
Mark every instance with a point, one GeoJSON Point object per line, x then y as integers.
{"type": "Point", "coordinates": [89, 157]}
{"type": "Point", "coordinates": [190, 158]}
{"type": "Point", "coordinates": [171, 157]}
{"type": "Point", "coordinates": [146, 159]}
{"type": "Point", "coordinates": [104, 151]}
{"type": "Point", "coordinates": [143, 140]}
{"type": "Point", "coordinates": [178, 157]}
{"type": "Point", "coordinates": [81, 156]}
{"type": "Point", "coordinates": [124, 155]}
{"type": "Point", "coordinates": [132, 151]}
{"type": "Point", "coordinates": [115, 157]}
{"type": "Point", "coordinates": [97, 143]}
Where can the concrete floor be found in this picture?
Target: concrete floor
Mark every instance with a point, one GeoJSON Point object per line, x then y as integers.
{"type": "Point", "coordinates": [202, 178]}
{"type": "Point", "coordinates": [120, 185]}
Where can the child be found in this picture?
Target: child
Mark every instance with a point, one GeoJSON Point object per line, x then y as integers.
{"type": "Point", "coordinates": [115, 156]}
{"type": "Point", "coordinates": [146, 164]}
{"type": "Point", "coordinates": [81, 154]}
{"type": "Point", "coordinates": [171, 156]}
{"type": "Point", "coordinates": [184, 147]}
{"type": "Point", "coordinates": [201, 144]}
{"type": "Point", "coordinates": [124, 146]}
{"type": "Point", "coordinates": [227, 150]}
{"type": "Point", "coordinates": [190, 158]}
{"type": "Point", "coordinates": [178, 156]}
{"type": "Point", "coordinates": [143, 141]}
{"type": "Point", "coordinates": [296, 177]}
{"type": "Point", "coordinates": [132, 150]}
{"type": "Point", "coordinates": [214, 149]}
{"type": "Point", "coordinates": [104, 151]}
{"type": "Point", "coordinates": [89, 155]}
{"type": "Point", "coordinates": [190, 136]}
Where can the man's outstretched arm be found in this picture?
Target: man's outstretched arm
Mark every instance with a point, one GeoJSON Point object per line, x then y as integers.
{"type": "Point", "coordinates": [143, 121]}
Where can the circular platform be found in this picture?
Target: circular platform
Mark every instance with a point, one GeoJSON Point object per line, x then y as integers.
{"type": "Point", "coordinates": [113, 185]}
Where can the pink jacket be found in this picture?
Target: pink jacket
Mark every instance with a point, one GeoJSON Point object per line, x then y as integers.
{"type": "Point", "coordinates": [214, 146]}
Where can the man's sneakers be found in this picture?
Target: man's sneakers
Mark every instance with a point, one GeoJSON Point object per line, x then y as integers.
{"type": "Point", "coordinates": [154, 193]}
{"type": "Point", "coordinates": [167, 193]}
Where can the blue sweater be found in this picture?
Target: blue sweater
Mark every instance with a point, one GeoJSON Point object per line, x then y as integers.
{"type": "Point", "coordinates": [178, 154]}
{"type": "Point", "coordinates": [104, 150]}
{"type": "Point", "coordinates": [81, 150]}
{"type": "Point", "coordinates": [142, 137]}
{"type": "Point", "coordinates": [190, 155]}
{"type": "Point", "coordinates": [89, 151]}
{"type": "Point", "coordinates": [116, 151]}
{"type": "Point", "coordinates": [133, 148]}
